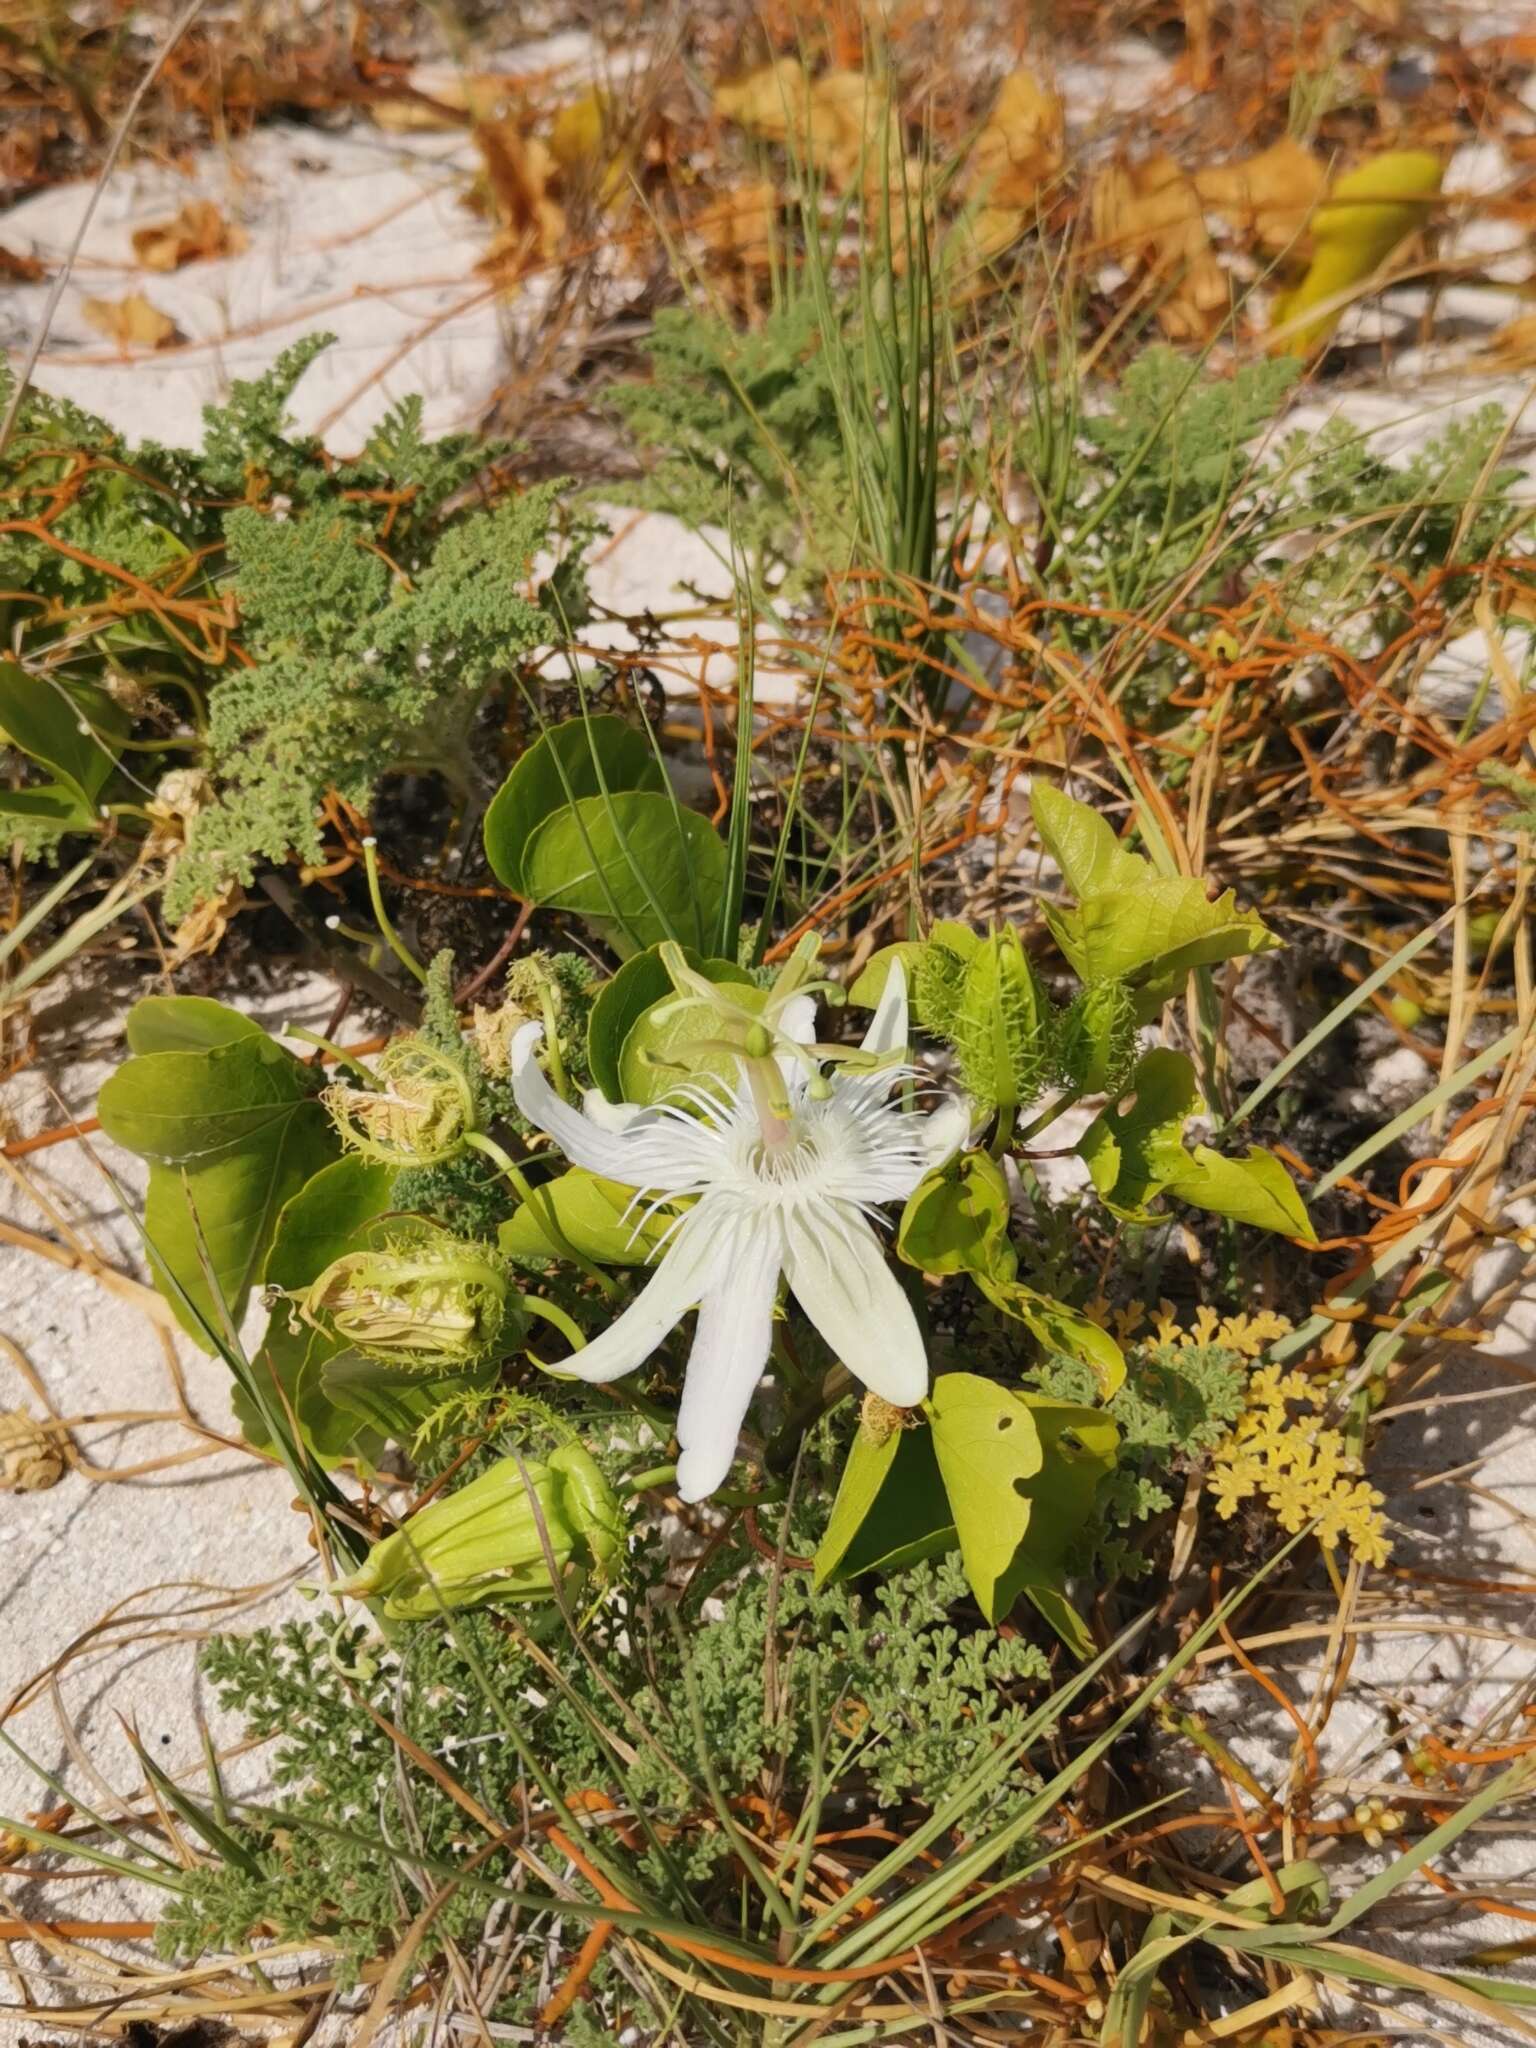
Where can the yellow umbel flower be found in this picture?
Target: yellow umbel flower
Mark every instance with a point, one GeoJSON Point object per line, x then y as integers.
{"type": "Point", "coordinates": [1302, 1470]}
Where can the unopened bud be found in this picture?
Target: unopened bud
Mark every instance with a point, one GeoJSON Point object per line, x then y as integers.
{"type": "Point", "coordinates": [484, 1542]}
{"type": "Point", "coordinates": [418, 1114]}
{"type": "Point", "coordinates": [424, 1301]}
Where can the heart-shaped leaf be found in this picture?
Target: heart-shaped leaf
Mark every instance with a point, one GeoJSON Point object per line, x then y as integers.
{"type": "Point", "coordinates": [231, 1132]}
{"type": "Point", "coordinates": [891, 1508]}
{"type": "Point", "coordinates": [987, 1447]}
{"type": "Point", "coordinates": [597, 1218]}
{"type": "Point", "coordinates": [637, 861]}
{"type": "Point", "coordinates": [584, 757]}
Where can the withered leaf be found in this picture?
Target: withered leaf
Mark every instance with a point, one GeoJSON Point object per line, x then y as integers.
{"type": "Point", "coordinates": [132, 322]}
{"type": "Point", "coordinates": [197, 233]}
{"type": "Point", "coordinates": [1147, 216]}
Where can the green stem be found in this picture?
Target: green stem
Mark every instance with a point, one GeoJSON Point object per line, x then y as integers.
{"type": "Point", "coordinates": [338, 1053]}
{"type": "Point", "coordinates": [538, 1200]}
{"type": "Point", "coordinates": [551, 1312]}
{"type": "Point", "coordinates": [392, 938]}
{"type": "Point", "coordinates": [557, 1071]}
{"type": "Point", "coordinates": [1048, 1115]}
{"type": "Point", "coordinates": [658, 1475]}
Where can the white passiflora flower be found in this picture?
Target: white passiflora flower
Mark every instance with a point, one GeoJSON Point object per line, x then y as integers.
{"type": "Point", "coordinates": [788, 1173]}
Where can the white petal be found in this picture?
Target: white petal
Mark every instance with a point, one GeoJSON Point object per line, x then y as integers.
{"type": "Point", "coordinates": [729, 1353]}
{"type": "Point", "coordinates": [691, 1266]}
{"type": "Point", "coordinates": [583, 1142]}
{"type": "Point", "coordinates": [837, 1273]}
{"type": "Point", "coordinates": [609, 1116]}
{"type": "Point", "coordinates": [888, 1027]}
{"type": "Point", "coordinates": [942, 1132]}
{"type": "Point", "coordinates": [797, 1019]}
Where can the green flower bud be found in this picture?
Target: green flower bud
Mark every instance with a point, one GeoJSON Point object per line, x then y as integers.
{"type": "Point", "coordinates": [483, 1544]}
{"type": "Point", "coordinates": [1096, 1039]}
{"type": "Point", "coordinates": [1000, 1025]}
{"type": "Point", "coordinates": [424, 1301]}
{"type": "Point", "coordinates": [418, 1114]}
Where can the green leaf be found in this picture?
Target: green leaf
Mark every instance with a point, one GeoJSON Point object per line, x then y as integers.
{"type": "Point", "coordinates": [325, 1218]}
{"type": "Point", "coordinates": [1056, 1327]}
{"type": "Point", "coordinates": [384, 1402]}
{"type": "Point", "coordinates": [1080, 1447]}
{"type": "Point", "coordinates": [1133, 1153]}
{"type": "Point", "coordinates": [987, 1447]}
{"type": "Point", "coordinates": [891, 1509]}
{"type": "Point", "coordinates": [594, 1215]}
{"type": "Point", "coordinates": [231, 1133]}
{"type": "Point", "coordinates": [623, 1002]}
{"type": "Point", "coordinates": [185, 1024]}
{"type": "Point", "coordinates": [75, 731]}
{"type": "Point", "coordinates": [956, 1219]}
{"type": "Point", "coordinates": [1256, 1189]}
{"type": "Point", "coordinates": [637, 860]}
{"type": "Point", "coordinates": [868, 985]}
{"type": "Point", "coordinates": [1161, 927]}
{"type": "Point", "coordinates": [1137, 1153]}
{"type": "Point", "coordinates": [39, 816]}
{"type": "Point", "coordinates": [1083, 845]}
{"type": "Point", "coordinates": [581, 758]}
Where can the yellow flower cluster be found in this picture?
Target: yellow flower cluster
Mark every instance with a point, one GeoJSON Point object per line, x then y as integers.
{"type": "Point", "coordinates": [1246, 1335]}
{"type": "Point", "coordinates": [1303, 1470]}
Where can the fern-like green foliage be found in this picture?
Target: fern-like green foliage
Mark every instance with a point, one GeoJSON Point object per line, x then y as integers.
{"type": "Point", "coordinates": [1178, 437]}
{"type": "Point", "coordinates": [744, 428]}
{"type": "Point", "coordinates": [361, 668]}
{"type": "Point", "coordinates": [894, 1697]}
{"type": "Point", "coordinates": [374, 602]}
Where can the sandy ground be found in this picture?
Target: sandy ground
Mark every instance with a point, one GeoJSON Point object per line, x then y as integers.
{"type": "Point", "coordinates": [366, 233]}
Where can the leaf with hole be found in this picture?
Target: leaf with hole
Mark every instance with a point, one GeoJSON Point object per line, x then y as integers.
{"type": "Point", "coordinates": [987, 1447]}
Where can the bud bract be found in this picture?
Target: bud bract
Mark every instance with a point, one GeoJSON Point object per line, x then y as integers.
{"type": "Point", "coordinates": [483, 1543]}
{"type": "Point", "coordinates": [417, 1114]}
{"type": "Point", "coordinates": [423, 1300]}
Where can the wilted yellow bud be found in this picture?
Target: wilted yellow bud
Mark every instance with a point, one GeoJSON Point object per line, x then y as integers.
{"type": "Point", "coordinates": [425, 1300]}
{"type": "Point", "coordinates": [420, 1111]}
{"type": "Point", "coordinates": [483, 1543]}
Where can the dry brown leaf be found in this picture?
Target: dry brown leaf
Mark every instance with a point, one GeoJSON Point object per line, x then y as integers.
{"type": "Point", "coordinates": [17, 269]}
{"type": "Point", "coordinates": [835, 122]}
{"type": "Point", "coordinates": [197, 233]}
{"type": "Point", "coordinates": [741, 225]}
{"type": "Point", "coordinates": [1513, 346]}
{"type": "Point", "coordinates": [1017, 154]}
{"type": "Point", "coordinates": [1269, 197]}
{"type": "Point", "coordinates": [448, 104]}
{"type": "Point", "coordinates": [132, 322]}
{"type": "Point", "coordinates": [530, 222]}
{"type": "Point", "coordinates": [1147, 216]}
{"type": "Point", "coordinates": [1020, 147]}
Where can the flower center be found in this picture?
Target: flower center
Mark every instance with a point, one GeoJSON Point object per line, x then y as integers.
{"type": "Point", "coordinates": [780, 1163]}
